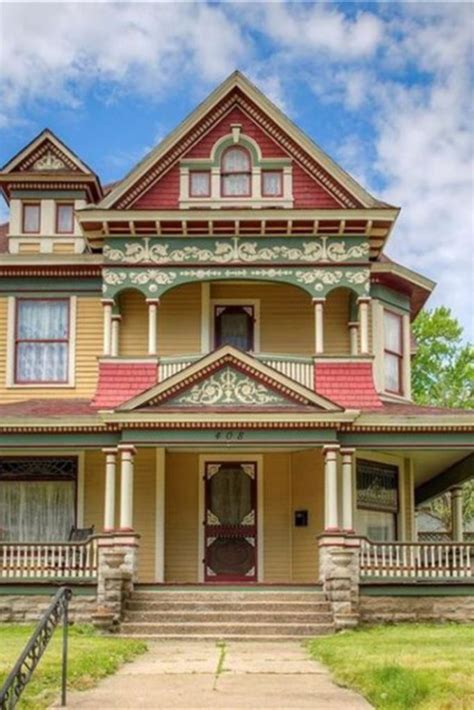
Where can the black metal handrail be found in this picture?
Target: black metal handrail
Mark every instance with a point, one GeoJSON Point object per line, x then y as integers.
{"type": "Point", "coordinates": [31, 655]}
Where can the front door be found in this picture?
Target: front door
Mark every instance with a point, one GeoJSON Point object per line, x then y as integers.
{"type": "Point", "coordinates": [230, 522]}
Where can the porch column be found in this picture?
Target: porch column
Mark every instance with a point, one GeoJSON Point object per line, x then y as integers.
{"type": "Point", "coordinates": [456, 514]}
{"type": "Point", "coordinates": [127, 454]}
{"type": "Point", "coordinates": [160, 516]}
{"type": "Point", "coordinates": [364, 324]}
{"type": "Point", "coordinates": [331, 518]}
{"type": "Point", "coordinates": [153, 304]}
{"type": "Point", "coordinates": [319, 325]}
{"type": "Point", "coordinates": [109, 502]}
{"type": "Point", "coordinates": [116, 318]}
{"type": "Point", "coordinates": [347, 490]}
{"type": "Point", "coordinates": [353, 333]}
{"type": "Point", "coordinates": [107, 305]}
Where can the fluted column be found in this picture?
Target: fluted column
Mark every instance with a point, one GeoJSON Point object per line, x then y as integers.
{"type": "Point", "coordinates": [347, 489]}
{"type": "Point", "coordinates": [364, 324]}
{"type": "Point", "coordinates": [152, 325]}
{"type": "Point", "coordinates": [456, 514]}
{"type": "Point", "coordinates": [109, 502]}
{"type": "Point", "coordinates": [107, 346]}
{"type": "Point", "coordinates": [318, 325]}
{"type": "Point", "coordinates": [127, 454]}
{"type": "Point", "coordinates": [331, 518]}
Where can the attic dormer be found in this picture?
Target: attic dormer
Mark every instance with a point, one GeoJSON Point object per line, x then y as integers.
{"type": "Point", "coordinates": [44, 185]}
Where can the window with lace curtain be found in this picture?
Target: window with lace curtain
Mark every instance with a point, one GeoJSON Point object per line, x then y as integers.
{"type": "Point", "coordinates": [236, 172]}
{"type": "Point", "coordinates": [393, 352]}
{"type": "Point", "coordinates": [41, 340]}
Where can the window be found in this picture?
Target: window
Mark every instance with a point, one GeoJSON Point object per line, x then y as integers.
{"type": "Point", "coordinates": [41, 341]}
{"type": "Point", "coordinates": [37, 498]}
{"type": "Point", "coordinates": [199, 183]}
{"type": "Point", "coordinates": [234, 325]}
{"type": "Point", "coordinates": [272, 183]}
{"type": "Point", "coordinates": [393, 352]}
{"type": "Point", "coordinates": [236, 173]}
{"type": "Point", "coordinates": [377, 500]}
{"type": "Point", "coordinates": [64, 218]}
{"type": "Point", "coordinates": [31, 218]}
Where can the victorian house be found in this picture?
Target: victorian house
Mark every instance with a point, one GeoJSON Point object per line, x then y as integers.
{"type": "Point", "coordinates": [208, 364]}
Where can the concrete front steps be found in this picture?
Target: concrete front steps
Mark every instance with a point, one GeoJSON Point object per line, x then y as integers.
{"type": "Point", "coordinates": [263, 613]}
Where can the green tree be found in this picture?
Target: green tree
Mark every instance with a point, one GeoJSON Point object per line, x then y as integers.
{"type": "Point", "coordinates": [443, 375]}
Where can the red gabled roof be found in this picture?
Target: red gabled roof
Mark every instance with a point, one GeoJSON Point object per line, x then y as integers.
{"type": "Point", "coordinates": [47, 408]}
{"type": "Point", "coordinates": [350, 384]}
{"type": "Point", "coordinates": [119, 382]}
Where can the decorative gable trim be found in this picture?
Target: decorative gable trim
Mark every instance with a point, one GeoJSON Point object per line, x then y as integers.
{"type": "Point", "coordinates": [229, 357]}
{"type": "Point", "coordinates": [46, 153]}
{"type": "Point", "coordinates": [237, 90]}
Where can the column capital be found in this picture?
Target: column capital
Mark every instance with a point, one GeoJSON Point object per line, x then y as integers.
{"type": "Point", "coordinates": [456, 490]}
{"type": "Point", "coordinates": [107, 301]}
{"type": "Point", "coordinates": [347, 451]}
{"type": "Point", "coordinates": [116, 316]}
{"type": "Point", "coordinates": [327, 448]}
{"type": "Point", "coordinates": [353, 324]}
{"type": "Point", "coordinates": [153, 301]}
{"type": "Point", "coordinates": [127, 448]}
{"type": "Point", "coordinates": [321, 300]}
{"type": "Point", "coordinates": [110, 450]}
{"type": "Point", "coordinates": [364, 299]}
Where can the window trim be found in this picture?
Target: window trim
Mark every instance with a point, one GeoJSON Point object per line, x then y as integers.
{"type": "Point", "coordinates": [226, 173]}
{"type": "Point", "coordinates": [399, 355]}
{"type": "Point", "coordinates": [262, 188]}
{"type": "Point", "coordinates": [24, 205]}
{"type": "Point", "coordinates": [254, 302]}
{"type": "Point", "coordinates": [12, 309]}
{"type": "Point", "coordinates": [190, 190]}
{"type": "Point", "coordinates": [398, 524]}
{"type": "Point", "coordinates": [56, 226]}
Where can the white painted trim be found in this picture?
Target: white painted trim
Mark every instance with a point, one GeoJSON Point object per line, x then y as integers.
{"type": "Point", "coordinates": [205, 317]}
{"type": "Point", "coordinates": [81, 471]}
{"type": "Point", "coordinates": [160, 515]}
{"type": "Point", "coordinates": [258, 459]}
{"type": "Point", "coordinates": [10, 375]}
{"type": "Point", "coordinates": [255, 302]}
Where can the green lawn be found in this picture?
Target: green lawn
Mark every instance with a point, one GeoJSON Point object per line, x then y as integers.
{"type": "Point", "coordinates": [91, 657]}
{"type": "Point", "coordinates": [422, 666]}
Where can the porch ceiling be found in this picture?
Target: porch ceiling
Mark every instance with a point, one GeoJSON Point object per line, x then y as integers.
{"type": "Point", "coordinates": [429, 464]}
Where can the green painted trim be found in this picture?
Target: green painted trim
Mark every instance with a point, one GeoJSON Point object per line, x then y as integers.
{"type": "Point", "coordinates": [454, 475]}
{"type": "Point", "coordinates": [66, 440]}
{"type": "Point", "coordinates": [27, 589]}
{"type": "Point", "coordinates": [40, 286]}
{"type": "Point", "coordinates": [390, 297]}
{"type": "Point", "coordinates": [50, 194]}
{"type": "Point", "coordinates": [403, 439]}
{"type": "Point", "coordinates": [225, 436]}
{"type": "Point", "coordinates": [417, 589]}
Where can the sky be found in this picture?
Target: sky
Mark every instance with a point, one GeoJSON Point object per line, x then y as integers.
{"type": "Point", "coordinates": [385, 88]}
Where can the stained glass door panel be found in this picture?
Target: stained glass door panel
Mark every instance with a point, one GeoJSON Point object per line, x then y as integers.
{"type": "Point", "coordinates": [230, 522]}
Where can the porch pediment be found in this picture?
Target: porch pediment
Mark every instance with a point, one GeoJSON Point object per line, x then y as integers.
{"type": "Point", "coordinates": [229, 379]}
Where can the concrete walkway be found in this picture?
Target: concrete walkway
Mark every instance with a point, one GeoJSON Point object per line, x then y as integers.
{"type": "Point", "coordinates": [203, 674]}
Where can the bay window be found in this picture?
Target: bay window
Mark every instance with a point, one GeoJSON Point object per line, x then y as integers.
{"type": "Point", "coordinates": [31, 218]}
{"type": "Point", "coordinates": [393, 352]}
{"type": "Point", "coordinates": [64, 218]}
{"type": "Point", "coordinates": [42, 340]}
{"type": "Point", "coordinates": [37, 498]}
{"type": "Point", "coordinates": [236, 173]}
{"type": "Point", "coordinates": [377, 500]}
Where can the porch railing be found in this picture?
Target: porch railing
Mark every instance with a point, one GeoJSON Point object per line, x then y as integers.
{"type": "Point", "coordinates": [297, 368]}
{"type": "Point", "coordinates": [414, 560]}
{"type": "Point", "coordinates": [49, 560]}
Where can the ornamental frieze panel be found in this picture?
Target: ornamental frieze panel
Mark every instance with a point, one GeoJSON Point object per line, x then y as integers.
{"type": "Point", "coordinates": [237, 250]}
{"type": "Point", "coordinates": [154, 282]}
{"type": "Point", "coordinates": [228, 388]}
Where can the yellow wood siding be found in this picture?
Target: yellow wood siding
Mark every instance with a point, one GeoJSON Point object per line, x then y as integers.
{"type": "Point", "coordinates": [276, 520]}
{"type": "Point", "coordinates": [286, 315]}
{"type": "Point", "coordinates": [133, 339]}
{"type": "Point", "coordinates": [26, 248]}
{"type": "Point", "coordinates": [63, 248]}
{"type": "Point", "coordinates": [336, 319]}
{"type": "Point", "coordinates": [307, 476]}
{"type": "Point", "coordinates": [143, 503]}
{"type": "Point", "coordinates": [181, 517]}
{"type": "Point", "coordinates": [88, 348]}
{"type": "Point", "coordinates": [179, 321]}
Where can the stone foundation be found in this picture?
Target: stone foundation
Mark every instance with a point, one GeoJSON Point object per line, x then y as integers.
{"type": "Point", "coordinates": [27, 608]}
{"type": "Point", "coordinates": [339, 576]}
{"type": "Point", "coordinates": [397, 609]}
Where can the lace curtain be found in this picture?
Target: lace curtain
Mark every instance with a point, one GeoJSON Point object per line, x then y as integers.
{"type": "Point", "coordinates": [42, 347]}
{"type": "Point", "coordinates": [272, 183]}
{"type": "Point", "coordinates": [40, 511]}
{"type": "Point", "coordinates": [230, 496]}
{"type": "Point", "coordinates": [200, 184]}
{"type": "Point", "coordinates": [234, 327]}
{"type": "Point", "coordinates": [236, 169]}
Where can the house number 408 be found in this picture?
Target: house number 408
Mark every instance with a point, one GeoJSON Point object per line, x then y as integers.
{"type": "Point", "coordinates": [230, 435]}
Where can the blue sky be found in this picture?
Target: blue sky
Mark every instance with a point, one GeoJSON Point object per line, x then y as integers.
{"type": "Point", "coordinates": [386, 89]}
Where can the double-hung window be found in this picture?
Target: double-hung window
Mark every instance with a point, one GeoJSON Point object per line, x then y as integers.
{"type": "Point", "coordinates": [31, 218]}
{"type": "Point", "coordinates": [64, 218]}
{"type": "Point", "coordinates": [377, 500]}
{"type": "Point", "coordinates": [393, 352]}
{"type": "Point", "coordinates": [236, 173]}
{"type": "Point", "coordinates": [234, 325]}
{"type": "Point", "coordinates": [42, 340]}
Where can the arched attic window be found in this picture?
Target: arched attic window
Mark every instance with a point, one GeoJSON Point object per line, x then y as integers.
{"type": "Point", "coordinates": [236, 172]}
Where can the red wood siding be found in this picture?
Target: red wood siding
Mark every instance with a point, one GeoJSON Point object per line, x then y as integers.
{"type": "Point", "coordinates": [164, 194]}
{"type": "Point", "coordinates": [308, 194]}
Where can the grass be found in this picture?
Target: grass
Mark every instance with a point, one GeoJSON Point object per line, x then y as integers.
{"type": "Point", "coordinates": [91, 657]}
{"type": "Point", "coordinates": [419, 666]}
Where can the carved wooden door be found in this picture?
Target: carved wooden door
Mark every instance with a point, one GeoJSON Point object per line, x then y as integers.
{"type": "Point", "coordinates": [230, 522]}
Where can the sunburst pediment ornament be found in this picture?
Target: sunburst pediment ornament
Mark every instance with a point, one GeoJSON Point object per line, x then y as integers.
{"type": "Point", "coordinates": [49, 161]}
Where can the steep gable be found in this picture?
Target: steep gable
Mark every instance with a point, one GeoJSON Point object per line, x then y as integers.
{"type": "Point", "coordinates": [237, 93]}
